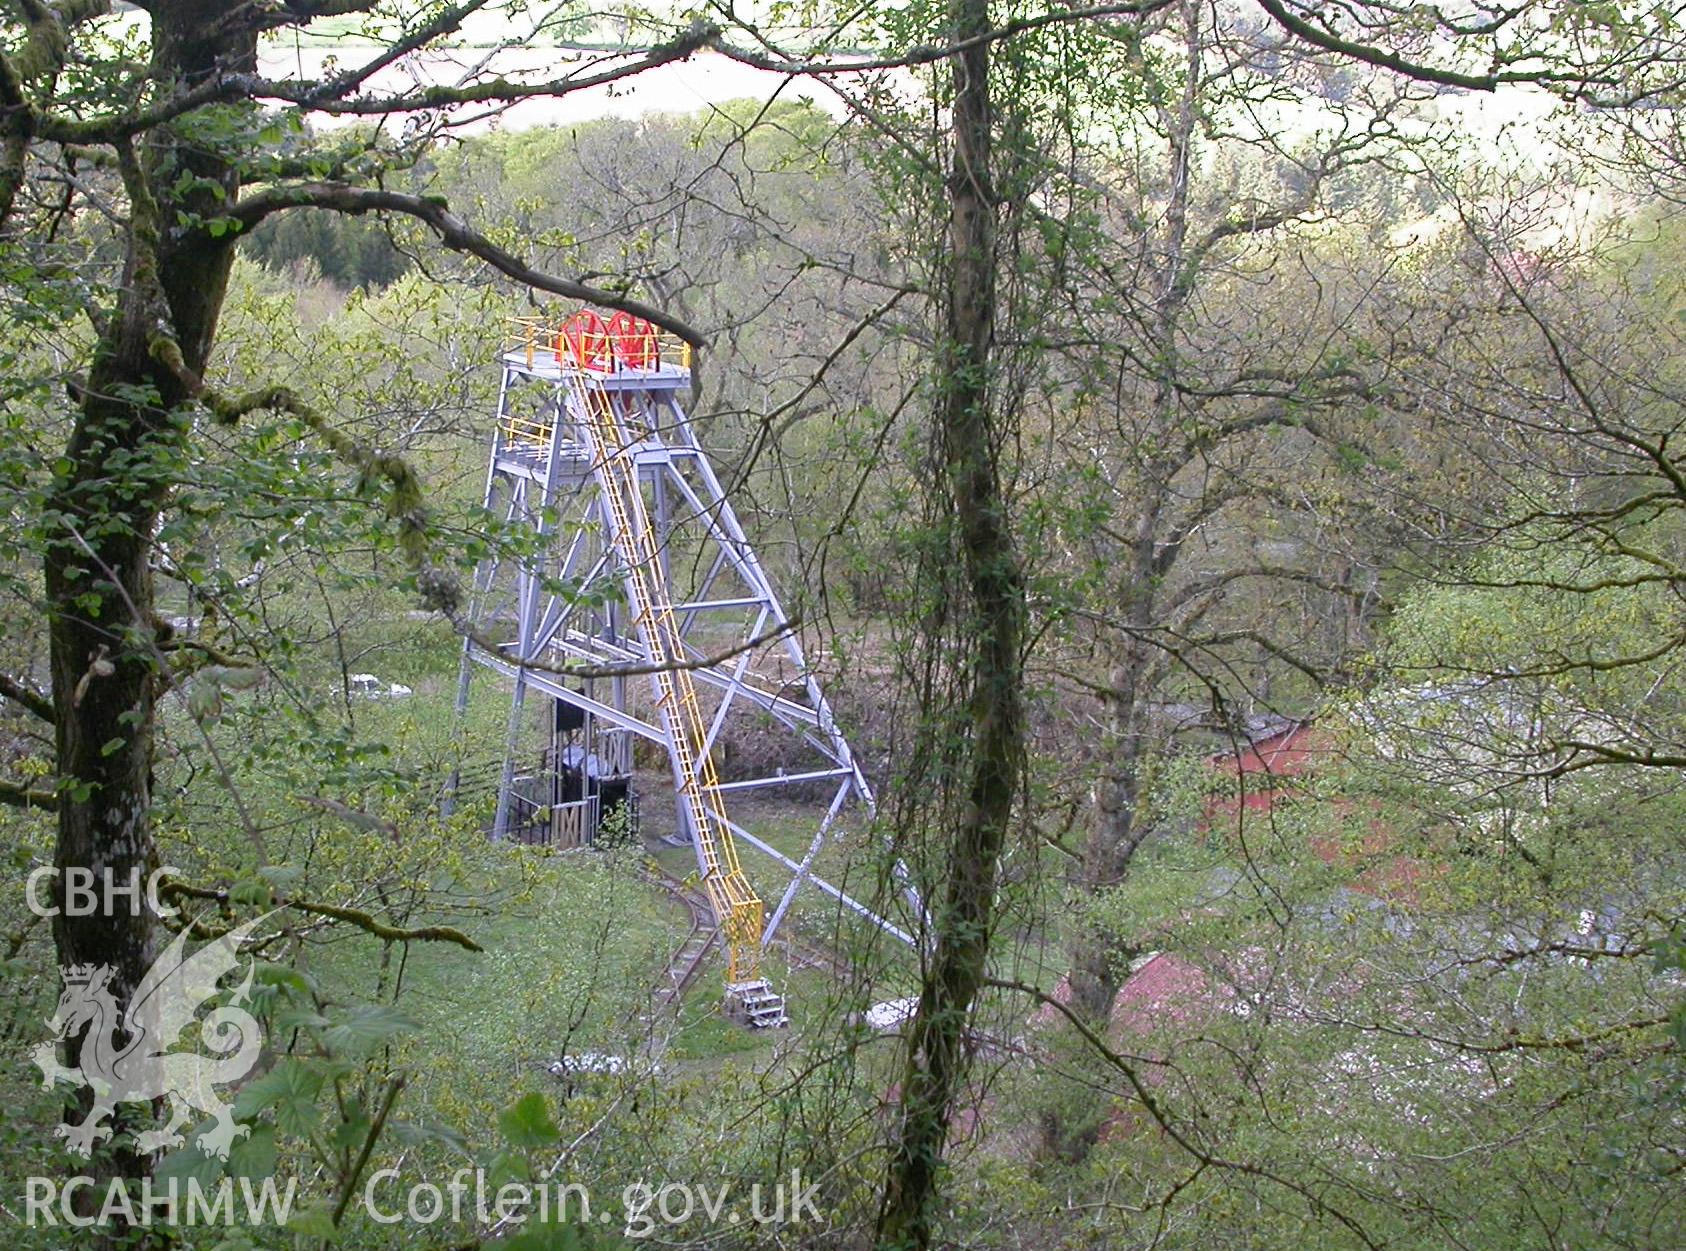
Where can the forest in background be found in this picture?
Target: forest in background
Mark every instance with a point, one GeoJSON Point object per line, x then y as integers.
{"type": "Point", "coordinates": [1228, 482]}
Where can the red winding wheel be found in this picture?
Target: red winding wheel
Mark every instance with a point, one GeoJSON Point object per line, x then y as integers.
{"type": "Point", "coordinates": [586, 339]}
{"type": "Point", "coordinates": [634, 341]}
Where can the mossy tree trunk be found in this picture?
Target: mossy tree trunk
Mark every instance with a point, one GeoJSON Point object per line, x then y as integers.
{"type": "Point", "coordinates": [968, 439]}
{"type": "Point", "coordinates": [130, 433]}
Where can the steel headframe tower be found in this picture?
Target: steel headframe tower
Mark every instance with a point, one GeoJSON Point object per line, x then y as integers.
{"type": "Point", "coordinates": [634, 567]}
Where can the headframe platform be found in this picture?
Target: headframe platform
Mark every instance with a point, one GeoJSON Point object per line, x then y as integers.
{"type": "Point", "coordinates": [623, 589]}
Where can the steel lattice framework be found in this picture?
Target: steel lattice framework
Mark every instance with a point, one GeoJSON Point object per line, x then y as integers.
{"type": "Point", "coordinates": [633, 560]}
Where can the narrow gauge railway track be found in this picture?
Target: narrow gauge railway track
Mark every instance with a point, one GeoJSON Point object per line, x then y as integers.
{"type": "Point", "coordinates": [688, 958]}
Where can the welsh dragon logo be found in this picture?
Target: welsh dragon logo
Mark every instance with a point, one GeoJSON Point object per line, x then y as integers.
{"type": "Point", "coordinates": [144, 1068]}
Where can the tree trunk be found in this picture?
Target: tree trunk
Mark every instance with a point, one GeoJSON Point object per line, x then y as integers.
{"type": "Point", "coordinates": [1114, 836]}
{"type": "Point", "coordinates": [129, 434]}
{"type": "Point", "coordinates": [935, 1065]}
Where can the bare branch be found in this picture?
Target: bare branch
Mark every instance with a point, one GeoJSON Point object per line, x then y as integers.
{"type": "Point", "coordinates": [320, 97]}
{"type": "Point", "coordinates": [454, 233]}
{"type": "Point", "coordinates": [925, 54]}
{"type": "Point", "coordinates": [170, 888]}
{"type": "Point", "coordinates": [571, 669]}
{"type": "Point", "coordinates": [1149, 1101]}
{"type": "Point", "coordinates": [1381, 58]}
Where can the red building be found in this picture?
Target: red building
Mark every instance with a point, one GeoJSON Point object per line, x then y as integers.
{"type": "Point", "coordinates": [1266, 762]}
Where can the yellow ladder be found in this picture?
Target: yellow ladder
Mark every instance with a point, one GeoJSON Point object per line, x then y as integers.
{"type": "Point", "coordinates": [737, 908]}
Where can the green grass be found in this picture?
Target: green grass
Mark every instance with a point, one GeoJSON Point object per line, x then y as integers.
{"type": "Point", "coordinates": [574, 943]}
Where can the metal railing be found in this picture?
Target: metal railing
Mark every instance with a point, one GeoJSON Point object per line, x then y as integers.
{"type": "Point", "coordinates": [519, 429]}
{"type": "Point", "coordinates": [585, 341]}
{"type": "Point", "coordinates": [737, 908]}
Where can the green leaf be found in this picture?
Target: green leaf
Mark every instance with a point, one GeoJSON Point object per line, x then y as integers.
{"type": "Point", "coordinates": [189, 1162]}
{"type": "Point", "coordinates": [250, 891]}
{"type": "Point", "coordinates": [234, 679]}
{"type": "Point", "coordinates": [300, 1016]}
{"type": "Point", "coordinates": [290, 1088]}
{"type": "Point", "coordinates": [351, 1132]}
{"type": "Point", "coordinates": [364, 1027]}
{"type": "Point", "coordinates": [315, 1221]}
{"type": "Point", "coordinates": [503, 1167]}
{"type": "Point", "coordinates": [254, 1155]}
{"type": "Point", "coordinates": [281, 874]}
{"type": "Point", "coordinates": [426, 1133]}
{"type": "Point", "coordinates": [527, 1123]}
{"type": "Point", "coordinates": [204, 700]}
{"type": "Point", "coordinates": [268, 973]}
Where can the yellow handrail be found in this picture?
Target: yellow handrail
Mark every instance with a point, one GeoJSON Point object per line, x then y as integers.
{"type": "Point", "coordinates": [737, 908]}
{"type": "Point", "coordinates": [541, 339]}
